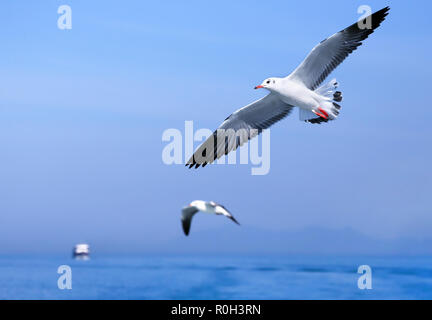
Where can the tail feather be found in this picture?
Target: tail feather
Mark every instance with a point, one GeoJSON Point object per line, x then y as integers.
{"type": "Point", "coordinates": [337, 96]}
{"type": "Point", "coordinates": [329, 104]}
{"type": "Point", "coordinates": [338, 107]}
{"type": "Point", "coordinates": [328, 89]}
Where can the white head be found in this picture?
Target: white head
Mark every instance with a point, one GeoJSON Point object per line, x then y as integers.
{"type": "Point", "coordinates": [269, 84]}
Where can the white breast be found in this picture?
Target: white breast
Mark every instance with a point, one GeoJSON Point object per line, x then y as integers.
{"type": "Point", "coordinates": [298, 95]}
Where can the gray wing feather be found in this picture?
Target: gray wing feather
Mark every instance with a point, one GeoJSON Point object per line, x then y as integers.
{"type": "Point", "coordinates": [329, 53]}
{"type": "Point", "coordinates": [241, 126]}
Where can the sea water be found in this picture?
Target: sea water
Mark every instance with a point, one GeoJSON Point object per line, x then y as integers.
{"type": "Point", "coordinates": [214, 277]}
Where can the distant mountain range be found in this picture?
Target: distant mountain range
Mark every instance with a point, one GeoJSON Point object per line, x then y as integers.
{"type": "Point", "coordinates": [313, 240]}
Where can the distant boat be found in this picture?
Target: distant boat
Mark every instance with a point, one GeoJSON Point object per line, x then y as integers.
{"type": "Point", "coordinates": [81, 251]}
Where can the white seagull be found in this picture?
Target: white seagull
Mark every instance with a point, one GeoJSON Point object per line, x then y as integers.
{"type": "Point", "coordinates": [208, 207]}
{"type": "Point", "coordinates": [299, 89]}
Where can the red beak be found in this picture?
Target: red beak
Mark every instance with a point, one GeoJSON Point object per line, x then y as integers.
{"type": "Point", "coordinates": [259, 87]}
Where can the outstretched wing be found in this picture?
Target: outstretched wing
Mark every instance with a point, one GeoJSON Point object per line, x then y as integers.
{"type": "Point", "coordinates": [187, 215]}
{"type": "Point", "coordinates": [228, 214]}
{"type": "Point", "coordinates": [329, 53]}
{"type": "Point", "coordinates": [220, 209]}
{"type": "Point", "coordinates": [241, 126]}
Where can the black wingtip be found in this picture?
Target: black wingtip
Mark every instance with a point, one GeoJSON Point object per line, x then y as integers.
{"type": "Point", "coordinates": [186, 227]}
{"type": "Point", "coordinates": [379, 16]}
{"type": "Point", "coordinates": [195, 164]}
{"type": "Point", "coordinates": [233, 219]}
{"type": "Point", "coordinates": [192, 163]}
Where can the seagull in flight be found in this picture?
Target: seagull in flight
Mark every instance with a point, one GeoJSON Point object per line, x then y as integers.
{"type": "Point", "coordinates": [208, 207]}
{"type": "Point", "coordinates": [299, 89]}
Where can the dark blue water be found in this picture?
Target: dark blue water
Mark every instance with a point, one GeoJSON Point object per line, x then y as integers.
{"type": "Point", "coordinates": [215, 277]}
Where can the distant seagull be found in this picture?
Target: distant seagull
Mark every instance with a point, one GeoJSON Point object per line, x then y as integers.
{"type": "Point", "coordinates": [199, 205]}
{"type": "Point", "coordinates": [299, 89]}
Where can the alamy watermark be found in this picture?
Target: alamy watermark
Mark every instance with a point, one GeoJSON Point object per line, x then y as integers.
{"type": "Point", "coordinates": [365, 20]}
{"type": "Point", "coordinates": [180, 147]}
{"type": "Point", "coordinates": [64, 22]}
{"type": "Point", "coordinates": [365, 280]}
{"type": "Point", "coordinates": [65, 280]}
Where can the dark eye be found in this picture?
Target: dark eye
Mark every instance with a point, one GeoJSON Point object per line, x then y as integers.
{"type": "Point", "coordinates": [268, 81]}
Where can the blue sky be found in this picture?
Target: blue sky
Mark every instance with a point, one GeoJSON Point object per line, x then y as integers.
{"type": "Point", "coordinates": [82, 113]}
